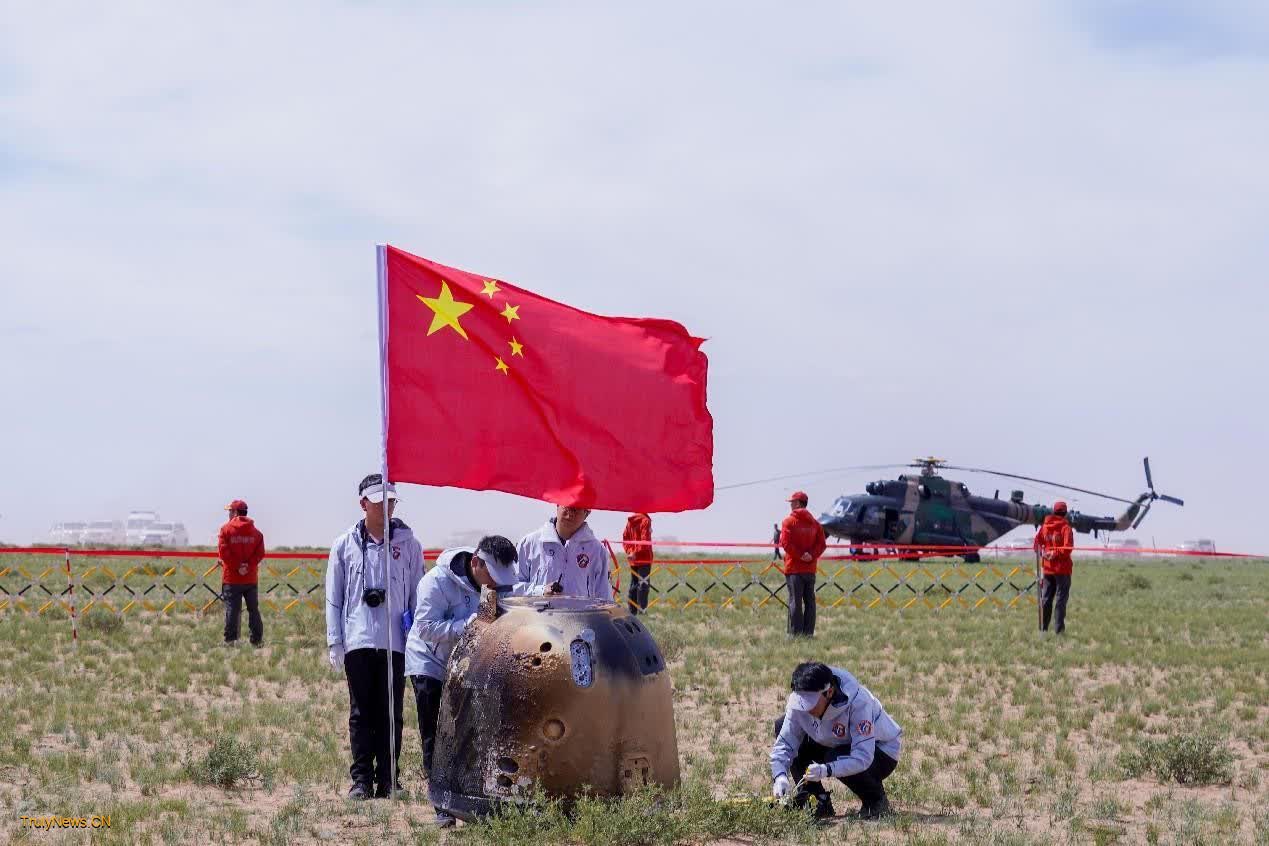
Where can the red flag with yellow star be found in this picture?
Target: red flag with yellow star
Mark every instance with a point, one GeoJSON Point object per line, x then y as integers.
{"type": "Point", "coordinates": [491, 387]}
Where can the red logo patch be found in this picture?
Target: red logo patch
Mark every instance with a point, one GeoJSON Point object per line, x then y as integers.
{"type": "Point", "coordinates": [839, 730]}
{"type": "Point", "coordinates": [865, 728]}
{"type": "Point", "coordinates": [396, 553]}
{"type": "Point", "coordinates": [582, 560]}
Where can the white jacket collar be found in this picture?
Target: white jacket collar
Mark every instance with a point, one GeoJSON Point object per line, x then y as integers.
{"type": "Point", "coordinates": [582, 535]}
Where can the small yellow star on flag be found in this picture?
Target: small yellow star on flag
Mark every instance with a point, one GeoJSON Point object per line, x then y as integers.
{"type": "Point", "coordinates": [516, 347]}
{"type": "Point", "coordinates": [491, 288]}
{"type": "Point", "coordinates": [446, 310]}
{"type": "Point", "coordinates": [502, 366]}
{"type": "Point", "coordinates": [511, 312]}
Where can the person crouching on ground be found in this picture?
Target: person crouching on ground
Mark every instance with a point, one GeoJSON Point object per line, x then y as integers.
{"type": "Point", "coordinates": [367, 590]}
{"type": "Point", "coordinates": [448, 597]}
{"type": "Point", "coordinates": [833, 727]}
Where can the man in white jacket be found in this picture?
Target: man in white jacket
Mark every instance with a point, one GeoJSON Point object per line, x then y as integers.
{"type": "Point", "coordinates": [833, 727]}
{"type": "Point", "coordinates": [369, 584]}
{"type": "Point", "coordinates": [564, 557]}
{"type": "Point", "coordinates": [448, 597]}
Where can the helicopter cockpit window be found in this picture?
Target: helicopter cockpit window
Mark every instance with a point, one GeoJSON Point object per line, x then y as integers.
{"type": "Point", "coordinates": [840, 509]}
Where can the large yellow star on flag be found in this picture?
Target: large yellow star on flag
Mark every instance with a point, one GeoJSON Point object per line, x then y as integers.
{"type": "Point", "coordinates": [446, 310]}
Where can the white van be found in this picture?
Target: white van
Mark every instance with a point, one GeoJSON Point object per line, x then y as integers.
{"type": "Point", "coordinates": [138, 521]}
{"type": "Point", "coordinates": [104, 533]}
{"type": "Point", "coordinates": [165, 534]}
{"type": "Point", "coordinates": [67, 534]}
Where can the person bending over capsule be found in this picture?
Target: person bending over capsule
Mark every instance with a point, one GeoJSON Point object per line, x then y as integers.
{"type": "Point", "coordinates": [833, 727]}
{"type": "Point", "coordinates": [448, 598]}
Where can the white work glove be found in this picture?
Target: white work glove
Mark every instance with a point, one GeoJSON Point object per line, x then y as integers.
{"type": "Point", "coordinates": [806, 556]}
{"type": "Point", "coordinates": [781, 787]}
{"type": "Point", "coordinates": [818, 772]}
{"type": "Point", "coordinates": [337, 657]}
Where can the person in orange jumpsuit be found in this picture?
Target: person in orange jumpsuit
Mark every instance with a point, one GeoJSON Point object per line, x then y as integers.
{"type": "Point", "coordinates": [638, 528]}
{"type": "Point", "coordinates": [803, 542]}
{"type": "Point", "coordinates": [1054, 542]}
{"type": "Point", "coordinates": [241, 548]}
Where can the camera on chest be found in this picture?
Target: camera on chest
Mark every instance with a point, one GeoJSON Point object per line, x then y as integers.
{"type": "Point", "coordinates": [373, 596]}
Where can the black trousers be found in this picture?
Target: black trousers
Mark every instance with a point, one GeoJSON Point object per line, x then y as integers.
{"type": "Point", "coordinates": [1054, 592]}
{"type": "Point", "coordinates": [232, 596]}
{"type": "Point", "coordinates": [801, 588]}
{"type": "Point", "coordinates": [427, 702]}
{"type": "Point", "coordinates": [367, 672]}
{"type": "Point", "coordinates": [868, 785]}
{"type": "Point", "coordinates": [637, 594]}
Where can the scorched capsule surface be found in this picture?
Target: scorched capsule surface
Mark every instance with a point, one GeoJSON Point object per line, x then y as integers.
{"type": "Point", "coordinates": [559, 694]}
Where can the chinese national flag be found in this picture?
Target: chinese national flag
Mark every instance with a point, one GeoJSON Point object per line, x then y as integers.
{"type": "Point", "coordinates": [491, 387]}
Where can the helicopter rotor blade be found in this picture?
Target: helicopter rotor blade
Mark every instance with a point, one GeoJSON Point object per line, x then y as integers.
{"type": "Point", "coordinates": [805, 475]}
{"type": "Point", "coordinates": [1149, 479]}
{"type": "Point", "coordinates": [1172, 499]}
{"type": "Point", "coordinates": [1041, 482]}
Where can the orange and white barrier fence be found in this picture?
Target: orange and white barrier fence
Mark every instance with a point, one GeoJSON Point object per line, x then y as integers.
{"type": "Point", "coordinates": [683, 575]}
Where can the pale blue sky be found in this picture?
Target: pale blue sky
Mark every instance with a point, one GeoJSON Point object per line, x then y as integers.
{"type": "Point", "coordinates": [1030, 236]}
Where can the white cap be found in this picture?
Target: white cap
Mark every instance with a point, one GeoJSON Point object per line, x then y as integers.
{"type": "Point", "coordinates": [504, 574]}
{"type": "Point", "coordinates": [375, 493]}
{"type": "Point", "coordinates": [805, 700]}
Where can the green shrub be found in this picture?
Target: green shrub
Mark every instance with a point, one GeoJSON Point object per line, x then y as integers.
{"type": "Point", "coordinates": [101, 621]}
{"type": "Point", "coordinates": [229, 763]}
{"type": "Point", "coordinates": [1135, 581]}
{"type": "Point", "coordinates": [645, 818]}
{"type": "Point", "coordinates": [1185, 759]}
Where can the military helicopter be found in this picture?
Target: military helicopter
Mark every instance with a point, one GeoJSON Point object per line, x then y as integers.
{"type": "Point", "coordinates": [929, 510]}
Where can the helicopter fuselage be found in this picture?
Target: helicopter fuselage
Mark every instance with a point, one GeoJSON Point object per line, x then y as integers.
{"type": "Point", "coordinates": [928, 510]}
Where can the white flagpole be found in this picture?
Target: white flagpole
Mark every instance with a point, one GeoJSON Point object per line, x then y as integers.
{"type": "Point", "coordinates": [381, 261]}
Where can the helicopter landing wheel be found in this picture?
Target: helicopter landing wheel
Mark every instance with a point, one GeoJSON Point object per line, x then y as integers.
{"type": "Point", "coordinates": [971, 558]}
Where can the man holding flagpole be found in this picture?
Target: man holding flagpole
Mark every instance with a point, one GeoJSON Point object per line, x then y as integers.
{"type": "Point", "coordinates": [368, 583]}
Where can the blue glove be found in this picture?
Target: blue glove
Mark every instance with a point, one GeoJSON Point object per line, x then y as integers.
{"type": "Point", "coordinates": [407, 621]}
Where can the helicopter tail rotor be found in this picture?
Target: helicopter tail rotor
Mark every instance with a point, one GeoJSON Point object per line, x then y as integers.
{"type": "Point", "coordinates": [1152, 495]}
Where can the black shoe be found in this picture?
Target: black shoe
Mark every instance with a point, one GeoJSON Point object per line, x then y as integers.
{"type": "Point", "coordinates": [382, 792]}
{"type": "Point", "coordinates": [257, 644]}
{"type": "Point", "coordinates": [824, 807]}
{"type": "Point", "coordinates": [359, 792]}
{"type": "Point", "coordinates": [820, 798]}
{"type": "Point", "coordinates": [875, 811]}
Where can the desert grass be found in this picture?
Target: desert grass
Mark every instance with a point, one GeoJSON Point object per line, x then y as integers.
{"type": "Point", "coordinates": [1148, 722]}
